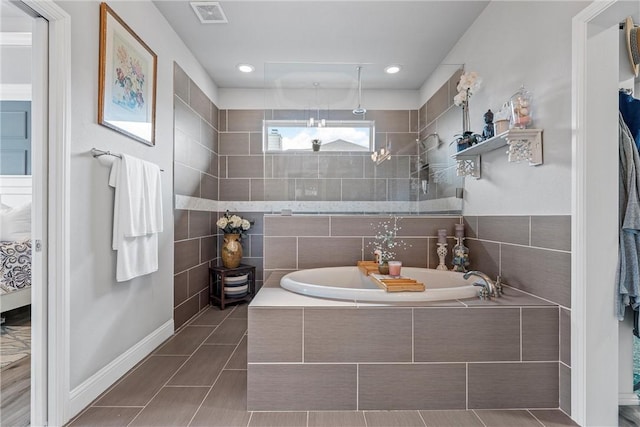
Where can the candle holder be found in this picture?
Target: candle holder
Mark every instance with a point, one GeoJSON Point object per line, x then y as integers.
{"type": "Point", "coordinates": [442, 253]}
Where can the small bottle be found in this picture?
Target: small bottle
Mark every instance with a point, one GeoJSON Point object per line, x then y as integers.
{"type": "Point", "coordinates": [460, 253]}
{"type": "Point", "coordinates": [460, 259]}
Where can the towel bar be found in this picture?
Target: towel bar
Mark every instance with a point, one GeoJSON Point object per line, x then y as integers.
{"type": "Point", "coordinates": [98, 153]}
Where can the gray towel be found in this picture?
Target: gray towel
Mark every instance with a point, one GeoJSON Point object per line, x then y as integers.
{"type": "Point", "coordinates": [628, 275]}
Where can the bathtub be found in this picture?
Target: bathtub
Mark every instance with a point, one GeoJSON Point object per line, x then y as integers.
{"type": "Point", "coordinates": [348, 283]}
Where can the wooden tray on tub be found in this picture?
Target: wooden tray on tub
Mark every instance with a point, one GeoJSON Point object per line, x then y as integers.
{"type": "Point", "coordinates": [368, 267]}
{"type": "Point", "coordinates": [396, 284]}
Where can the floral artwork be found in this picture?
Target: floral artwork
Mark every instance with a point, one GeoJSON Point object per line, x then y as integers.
{"type": "Point", "coordinates": [127, 80]}
{"type": "Point", "coordinates": [129, 85]}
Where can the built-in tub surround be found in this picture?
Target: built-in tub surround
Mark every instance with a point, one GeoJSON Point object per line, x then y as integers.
{"type": "Point", "coordinates": [349, 284]}
{"type": "Point", "coordinates": [518, 356]}
{"type": "Point", "coordinates": [533, 254]}
{"type": "Point", "coordinates": [307, 353]}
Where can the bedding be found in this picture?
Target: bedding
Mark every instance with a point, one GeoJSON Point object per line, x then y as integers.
{"type": "Point", "coordinates": [15, 223]}
{"type": "Point", "coordinates": [15, 265]}
{"type": "Point", "coordinates": [15, 242]}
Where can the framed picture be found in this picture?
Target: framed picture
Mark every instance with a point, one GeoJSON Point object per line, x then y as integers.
{"type": "Point", "coordinates": [126, 80]}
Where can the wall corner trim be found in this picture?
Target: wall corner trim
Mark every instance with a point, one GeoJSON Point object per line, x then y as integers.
{"type": "Point", "coordinates": [85, 393]}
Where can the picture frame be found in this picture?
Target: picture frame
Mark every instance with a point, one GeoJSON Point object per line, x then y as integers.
{"type": "Point", "coordinates": [126, 80]}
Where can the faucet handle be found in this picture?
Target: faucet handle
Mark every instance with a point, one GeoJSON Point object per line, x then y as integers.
{"type": "Point", "coordinates": [498, 286]}
{"type": "Point", "coordinates": [484, 292]}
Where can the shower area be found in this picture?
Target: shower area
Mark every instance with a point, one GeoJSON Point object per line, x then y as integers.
{"type": "Point", "coordinates": [334, 141]}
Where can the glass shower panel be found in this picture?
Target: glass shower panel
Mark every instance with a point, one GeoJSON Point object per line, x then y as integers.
{"type": "Point", "coordinates": [339, 175]}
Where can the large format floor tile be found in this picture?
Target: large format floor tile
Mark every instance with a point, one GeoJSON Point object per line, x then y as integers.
{"type": "Point", "coordinates": [226, 405]}
{"type": "Point", "coordinates": [203, 367]}
{"type": "Point", "coordinates": [186, 341]}
{"type": "Point", "coordinates": [507, 418]}
{"type": "Point", "coordinates": [199, 378]}
{"type": "Point", "coordinates": [230, 331]}
{"type": "Point", "coordinates": [172, 406]}
{"type": "Point", "coordinates": [451, 419]}
{"type": "Point", "coordinates": [107, 416]}
{"type": "Point", "coordinates": [238, 359]}
{"type": "Point", "coordinates": [554, 417]}
{"type": "Point", "coordinates": [140, 385]}
{"type": "Point", "coordinates": [278, 419]}
{"type": "Point", "coordinates": [393, 419]}
{"type": "Point", "coordinates": [336, 419]}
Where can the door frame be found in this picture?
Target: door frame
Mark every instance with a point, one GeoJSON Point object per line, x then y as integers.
{"type": "Point", "coordinates": [594, 246]}
{"type": "Point", "coordinates": [39, 183]}
{"type": "Point", "coordinates": [54, 411]}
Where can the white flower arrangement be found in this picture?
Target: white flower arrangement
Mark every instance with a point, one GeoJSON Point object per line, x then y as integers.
{"type": "Point", "coordinates": [234, 224]}
{"type": "Point", "coordinates": [385, 243]}
{"type": "Point", "coordinates": [469, 83]}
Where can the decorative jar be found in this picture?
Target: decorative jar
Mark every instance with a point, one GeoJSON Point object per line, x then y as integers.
{"type": "Point", "coordinates": [231, 250]}
{"type": "Point", "coordinates": [521, 109]}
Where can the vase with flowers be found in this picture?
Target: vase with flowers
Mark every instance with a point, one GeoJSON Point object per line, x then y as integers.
{"type": "Point", "coordinates": [385, 243]}
{"type": "Point", "coordinates": [469, 83]}
{"type": "Point", "coordinates": [235, 229]}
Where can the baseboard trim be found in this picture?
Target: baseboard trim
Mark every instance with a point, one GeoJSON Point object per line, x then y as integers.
{"type": "Point", "coordinates": [628, 399]}
{"type": "Point", "coordinates": [90, 389]}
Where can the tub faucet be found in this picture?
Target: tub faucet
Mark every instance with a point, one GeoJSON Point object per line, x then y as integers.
{"type": "Point", "coordinates": [488, 287]}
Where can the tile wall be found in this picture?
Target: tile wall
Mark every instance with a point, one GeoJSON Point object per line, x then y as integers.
{"type": "Point", "coordinates": [402, 358]}
{"type": "Point", "coordinates": [531, 253]}
{"type": "Point", "coordinates": [196, 176]}
{"type": "Point", "coordinates": [247, 174]}
{"type": "Point", "coordinates": [218, 157]}
{"type": "Point", "coordinates": [311, 241]}
{"type": "Point", "coordinates": [435, 116]}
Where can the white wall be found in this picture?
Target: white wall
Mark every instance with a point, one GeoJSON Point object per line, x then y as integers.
{"type": "Point", "coordinates": [109, 318]}
{"type": "Point", "coordinates": [510, 44]}
{"type": "Point", "coordinates": [15, 51]}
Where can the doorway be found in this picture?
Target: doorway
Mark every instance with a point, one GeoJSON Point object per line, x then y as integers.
{"type": "Point", "coordinates": [23, 214]}
{"type": "Point", "coordinates": [595, 337]}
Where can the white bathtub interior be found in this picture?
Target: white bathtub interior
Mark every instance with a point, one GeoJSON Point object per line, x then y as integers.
{"type": "Point", "coordinates": [350, 284]}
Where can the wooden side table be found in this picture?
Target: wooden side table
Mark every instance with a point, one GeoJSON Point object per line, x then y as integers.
{"type": "Point", "coordinates": [217, 280]}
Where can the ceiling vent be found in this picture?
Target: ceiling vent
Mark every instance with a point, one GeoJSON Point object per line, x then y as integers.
{"type": "Point", "coordinates": [209, 12]}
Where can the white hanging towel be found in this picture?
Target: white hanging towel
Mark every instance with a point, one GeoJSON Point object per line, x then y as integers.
{"type": "Point", "coordinates": [137, 216]}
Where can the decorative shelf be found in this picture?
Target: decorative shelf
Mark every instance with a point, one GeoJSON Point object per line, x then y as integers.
{"type": "Point", "coordinates": [524, 144]}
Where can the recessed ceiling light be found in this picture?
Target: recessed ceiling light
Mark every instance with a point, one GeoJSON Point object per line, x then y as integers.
{"type": "Point", "coordinates": [246, 68]}
{"type": "Point", "coordinates": [392, 69]}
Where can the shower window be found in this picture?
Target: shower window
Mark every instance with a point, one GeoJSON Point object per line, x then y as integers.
{"type": "Point", "coordinates": [335, 135]}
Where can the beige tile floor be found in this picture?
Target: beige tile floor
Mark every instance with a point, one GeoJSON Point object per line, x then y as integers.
{"type": "Point", "coordinates": [199, 378]}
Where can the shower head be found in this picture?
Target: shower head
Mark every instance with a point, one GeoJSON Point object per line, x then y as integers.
{"type": "Point", "coordinates": [359, 111]}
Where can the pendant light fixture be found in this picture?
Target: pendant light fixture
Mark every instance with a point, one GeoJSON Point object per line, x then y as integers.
{"type": "Point", "coordinates": [316, 122]}
{"type": "Point", "coordinates": [359, 111]}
